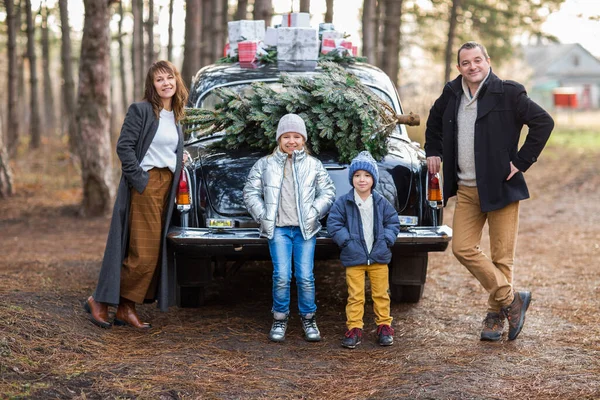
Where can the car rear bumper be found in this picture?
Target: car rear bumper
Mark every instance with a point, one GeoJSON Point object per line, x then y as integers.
{"type": "Point", "coordinates": [248, 243]}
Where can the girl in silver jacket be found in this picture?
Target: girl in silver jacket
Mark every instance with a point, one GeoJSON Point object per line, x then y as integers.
{"type": "Point", "coordinates": [288, 192]}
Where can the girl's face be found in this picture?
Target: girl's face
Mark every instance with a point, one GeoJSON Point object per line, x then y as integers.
{"type": "Point", "coordinates": [166, 86]}
{"type": "Point", "coordinates": [290, 141]}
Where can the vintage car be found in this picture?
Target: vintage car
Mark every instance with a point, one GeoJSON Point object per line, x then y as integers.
{"type": "Point", "coordinates": [212, 234]}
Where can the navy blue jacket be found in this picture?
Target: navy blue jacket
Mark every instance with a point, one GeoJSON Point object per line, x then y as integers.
{"type": "Point", "coordinates": [503, 107]}
{"type": "Point", "coordinates": [345, 227]}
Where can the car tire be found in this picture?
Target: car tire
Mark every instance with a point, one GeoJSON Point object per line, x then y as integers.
{"type": "Point", "coordinates": [407, 276]}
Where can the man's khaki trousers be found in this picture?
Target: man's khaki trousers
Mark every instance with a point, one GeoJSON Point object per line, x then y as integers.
{"type": "Point", "coordinates": [495, 274]}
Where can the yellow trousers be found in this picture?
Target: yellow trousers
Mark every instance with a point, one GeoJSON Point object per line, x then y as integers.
{"type": "Point", "coordinates": [355, 308]}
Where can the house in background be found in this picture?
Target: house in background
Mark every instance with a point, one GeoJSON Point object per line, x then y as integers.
{"type": "Point", "coordinates": [563, 75]}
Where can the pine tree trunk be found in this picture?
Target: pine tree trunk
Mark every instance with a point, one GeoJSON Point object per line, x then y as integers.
{"type": "Point", "coordinates": [305, 6]}
{"type": "Point", "coordinates": [68, 89]}
{"type": "Point", "coordinates": [391, 39]}
{"type": "Point", "coordinates": [329, 11]}
{"type": "Point", "coordinates": [368, 30]}
{"type": "Point", "coordinates": [218, 30]}
{"type": "Point", "coordinates": [263, 9]}
{"type": "Point", "coordinates": [137, 49]}
{"type": "Point", "coordinates": [380, 18]}
{"type": "Point", "coordinates": [122, 74]}
{"type": "Point", "coordinates": [34, 124]}
{"type": "Point", "coordinates": [6, 179]}
{"type": "Point", "coordinates": [242, 10]}
{"type": "Point", "coordinates": [170, 42]}
{"type": "Point", "coordinates": [49, 115]}
{"type": "Point", "coordinates": [449, 55]}
{"type": "Point", "coordinates": [13, 121]}
{"type": "Point", "coordinates": [150, 55]}
{"type": "Point", "coordinates": [93, 112]}
{"type": "Point", "coordinates": [206, 49]}
{"type": "Point", "coordinates": [193, 40]}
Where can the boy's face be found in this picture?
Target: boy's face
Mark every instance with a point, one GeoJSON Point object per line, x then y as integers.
{"type": "Point", "coordinates": [362, 182]}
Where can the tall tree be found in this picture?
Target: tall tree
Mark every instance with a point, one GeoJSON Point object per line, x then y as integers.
{"type": "Point", "coordinates": [93, 110]}
{"type": "Point", "coordinates": [150, 55]}
{"type": "Point", "coordinates": [218, 29]}
{"type": "Point", "coordinates": [305, 6]}
{"type": "Point", "coordinates": [263, 9]}
{"type": "Point", "coordinates": [449, 54]}
{"type": "Point", "coordinates": [193, 40]}
{"type": "Point", "coordinates": [329, 11]}
{"type": "Point", "coordinates": [368, 30]}
{"type": "Point", "coordinates": [207, 56]}
{"type": "Point", "coordinates": [241, 11]}
{"type": "Point", "coordinates": [170, 30]}
{"type": "Point", "coordinates": [6, 179]}
{"type": "Point", "coordinates": [122, 74]}
{"type": "Point", "coordinates": [34, 109]}
{"type": "Point", "coordinates": [137, 49]}
{"type": "Point", "coordinates": [49, 110]}
{"type": "Point", "coordinates": [12, 125]}
{"type": "Point", "coordinates": [379, 27]}
{"type": "Point", "coordinates": [391, 39]}
{"type": "Point", "coordinates": [68, 89]}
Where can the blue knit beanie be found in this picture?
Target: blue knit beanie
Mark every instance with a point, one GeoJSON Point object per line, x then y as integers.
{"type": "Point", "coordinates": [366, 162]}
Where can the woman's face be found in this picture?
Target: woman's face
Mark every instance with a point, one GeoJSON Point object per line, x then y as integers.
{"type": "Point", "coordinates": [290, 141]}
{"type": "Point", "coordinates": [166, 86]}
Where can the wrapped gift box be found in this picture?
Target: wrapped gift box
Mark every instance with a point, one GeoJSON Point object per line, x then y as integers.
{"type": "Point", "coordinates": [328, 45]}
{"type": "Point", "coordinates": [332, 35]}
{"type": "Point", "coordinates": [297, 44]}
{"type": "Point", "coordinates": [244, 30]}
{"type": "Point", "coordinates": [247, 50]}
{"type": "Point", "coordinates": [271, 37]}
{"type": "Point", "coordinates": [295, 20]}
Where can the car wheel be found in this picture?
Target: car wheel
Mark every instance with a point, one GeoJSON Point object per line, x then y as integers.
{"type": "Point", "coordinates": [408, 272]}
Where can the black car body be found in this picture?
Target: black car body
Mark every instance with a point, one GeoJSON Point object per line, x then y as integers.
{"type": "Point", "coordinates": [215, 235]}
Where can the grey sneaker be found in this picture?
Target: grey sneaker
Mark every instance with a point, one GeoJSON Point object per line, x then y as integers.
{"type": "Point", "coordinates": [311, 331]}
{"type": "Point", "coordinates": [277, 333]}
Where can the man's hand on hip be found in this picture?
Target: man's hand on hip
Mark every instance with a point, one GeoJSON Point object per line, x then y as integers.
{"type": "Point", "coordinates": [513, 171]}
{"type": "Point", "coordinates": [433, 164]}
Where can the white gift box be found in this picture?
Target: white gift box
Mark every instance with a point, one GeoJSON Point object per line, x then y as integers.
{"type": "Point", "coordinates": [244, 30]}
{"type": "Point", "coordinates": [297, 44]}
{"type": "Point", "coordinates": [332, 35]}
{"type": "Point", "coordinates": [271, 37]}
{"type": "Point", "coordinates": [295, 20]}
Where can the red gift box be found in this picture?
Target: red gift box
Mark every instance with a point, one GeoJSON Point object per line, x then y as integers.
{"type": "Point", "coordinates": [247, 50]}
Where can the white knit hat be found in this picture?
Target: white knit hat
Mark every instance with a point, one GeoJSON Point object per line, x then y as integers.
{"type": "Point", "coordinates": [291, 123]}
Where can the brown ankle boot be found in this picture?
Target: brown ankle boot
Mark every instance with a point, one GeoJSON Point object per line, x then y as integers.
{"type": "Point", "coordinates": [126, 315]}
{"type": "Point", "coordinates": [98, 312]}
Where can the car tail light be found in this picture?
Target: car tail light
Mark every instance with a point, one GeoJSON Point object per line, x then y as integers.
{"type": "Point", "coordinates": [434, 190]}
{"type": "Point", "coordinates": [183, 190]}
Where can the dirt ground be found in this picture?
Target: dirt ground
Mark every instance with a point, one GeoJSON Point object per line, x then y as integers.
{"type": "Point", "coordinates": [50, 258]}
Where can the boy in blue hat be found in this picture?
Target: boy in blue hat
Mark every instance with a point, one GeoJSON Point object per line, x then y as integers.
{"type": "Point", "coordinates": [364, 225]}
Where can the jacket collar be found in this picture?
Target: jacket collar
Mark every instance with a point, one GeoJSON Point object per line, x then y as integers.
{"type": "Point", "coordinates": [488, 95]}
{"type": "Point", "coordinates": [282, 156]}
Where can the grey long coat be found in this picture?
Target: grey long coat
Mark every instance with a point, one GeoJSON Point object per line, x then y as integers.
{"type": "Point", "coordinates": [137, 133]}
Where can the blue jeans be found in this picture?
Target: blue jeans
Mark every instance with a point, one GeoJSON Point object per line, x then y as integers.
{"type": "Point", "coordinates": [288, 244]}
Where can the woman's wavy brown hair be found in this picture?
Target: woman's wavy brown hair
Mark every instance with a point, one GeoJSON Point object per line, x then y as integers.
{"type": "Point", "coordinates": [151, 95]}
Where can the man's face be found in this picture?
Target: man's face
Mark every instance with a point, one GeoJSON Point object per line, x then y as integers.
{"type": "Point", "coordinates": [473, 66]}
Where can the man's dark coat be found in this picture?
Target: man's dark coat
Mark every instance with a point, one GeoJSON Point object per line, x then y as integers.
{"type": "Point", "coordinates": [137, 133]}
{"type": "Point", "coordinates": [503, 107]}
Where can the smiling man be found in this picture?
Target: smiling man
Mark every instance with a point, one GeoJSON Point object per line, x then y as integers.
{"type": "Point", "coordinates": [474, 128]}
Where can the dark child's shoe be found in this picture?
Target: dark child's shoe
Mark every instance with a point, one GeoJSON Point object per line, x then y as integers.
{"type": "Point", "coordinates": [385, 335]}
{"type": "Point", "coordinates": [311, 331]}
{"type": "Point", "coordinates": [493, 325]}
{"type": "Point", "coordinates": [278, 328]}
{"type": "Point", "coordinates": [515, 313]}
{"type": "Point", "coordinates": [98, 312]}
{"type": "Point", "coordinates": [126, 315]}
{"type": "Point", "coordinates": [352, 338]}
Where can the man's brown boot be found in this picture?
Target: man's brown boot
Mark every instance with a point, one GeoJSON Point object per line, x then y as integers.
{"type": "Point", "coordinates": [515, 313]}
{"type": "Point", "coordinates": [126, 315]}
{"type": "Point", "coordinates": [493, 325]}
{"type": "Point", "coordinates": [98, 312]}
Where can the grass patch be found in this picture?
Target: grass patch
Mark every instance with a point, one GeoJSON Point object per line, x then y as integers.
{"type": "Point", "coordinates": [575, 139]}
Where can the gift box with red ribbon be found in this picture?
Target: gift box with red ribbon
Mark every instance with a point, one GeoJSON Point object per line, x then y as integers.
{"type": "Point", "coordinates": [247, 50]}
{"type": "Point", "coordinates": [295, 20]}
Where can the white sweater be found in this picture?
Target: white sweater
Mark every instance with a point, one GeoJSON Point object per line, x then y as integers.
{"type": "Point", "coordinates": [162, 152]}
{"type": "Point", "coordinates": [366, 217]}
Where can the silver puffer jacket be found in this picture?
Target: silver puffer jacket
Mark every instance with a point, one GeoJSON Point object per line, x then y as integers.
{"type": "Point", "coordinates": [314, 190]}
